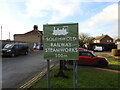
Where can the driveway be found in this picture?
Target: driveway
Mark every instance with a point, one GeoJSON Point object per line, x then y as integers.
{"type": "Point", "coordinates": [104, 52]}
{"type": "Point", "coordinates": [18, 70]}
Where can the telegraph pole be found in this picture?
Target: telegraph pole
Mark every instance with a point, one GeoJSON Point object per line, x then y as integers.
{"type": "Point", "coordinates": [1, 33]}
{"type": "Point", "coordinates": [9, 35]}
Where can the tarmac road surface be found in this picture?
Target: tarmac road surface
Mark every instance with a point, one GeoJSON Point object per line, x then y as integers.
{"type": "Point", "coordinates": [17, 70]}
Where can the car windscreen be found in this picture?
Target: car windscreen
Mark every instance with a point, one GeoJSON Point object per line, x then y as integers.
{"type": "Point", "coordinates": [8, 46]}
{"type": "Point", "coordinates": [86, 54]}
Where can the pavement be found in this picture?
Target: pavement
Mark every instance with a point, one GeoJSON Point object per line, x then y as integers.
{"type": "Point", "coordinates": [109, 54]}
{"type": "Point", "coordinates": [21, 69]}
{"type": "Point", "coordinates": [94, 68]}
{"type": "Point", "coordinates": [36, 78]}
{"type": "Point", "coordinates": [117, 57]}
{"type": "Point", "coordinates": [110, 70]}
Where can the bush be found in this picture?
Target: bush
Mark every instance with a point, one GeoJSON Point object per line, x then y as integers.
{"type": "Point", "coordinates": [116, 52]}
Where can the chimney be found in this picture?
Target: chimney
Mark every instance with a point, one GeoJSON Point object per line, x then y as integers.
{"type": "Point", "coordinates": [35, 27]}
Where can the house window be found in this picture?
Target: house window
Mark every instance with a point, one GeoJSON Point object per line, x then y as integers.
{"type": "Point", "coordinates": [109, 40]}
{"type": "Point", "coordinates": [96, 41]}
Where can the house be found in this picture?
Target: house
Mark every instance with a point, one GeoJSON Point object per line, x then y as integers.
{"type": "Point", "coordinates": [34, 36]}
{"type": "Point", "coordinates": [117, 41]}
{"type": "Point", "coordinates": [118, 45]}
{"type": "Point", "coordinates": [104, 41]}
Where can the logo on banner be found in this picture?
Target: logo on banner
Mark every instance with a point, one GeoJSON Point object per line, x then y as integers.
{"type": "Point", "coordinates": [60, 31]}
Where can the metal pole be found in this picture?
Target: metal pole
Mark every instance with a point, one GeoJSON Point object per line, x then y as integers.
{"type": "Point", "coordinates": [48, 74]}
{"type": "Point", "coordinates": [75, 74]}
{"type": "Point", "coordinates": [76, 71]}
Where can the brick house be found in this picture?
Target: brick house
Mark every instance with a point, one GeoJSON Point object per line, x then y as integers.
{"type": "Point", "coordinates": [105, 41]}
{"type": "Point", "coordinates": [34, 36]}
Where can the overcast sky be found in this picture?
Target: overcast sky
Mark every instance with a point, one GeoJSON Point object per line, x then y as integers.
{"type": "Point", "coordinates": [95, 17]}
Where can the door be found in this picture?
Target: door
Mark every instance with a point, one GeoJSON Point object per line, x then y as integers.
{"type": "Point", "coordinates": [86, 58]}
{"type": "Point", "coordinates": [15, 49]}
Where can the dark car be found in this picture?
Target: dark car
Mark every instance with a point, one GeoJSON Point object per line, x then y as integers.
{"type": "Point", "coordinates": [88, 58]}
{"type": "Point", "coordinates": [14, 50]}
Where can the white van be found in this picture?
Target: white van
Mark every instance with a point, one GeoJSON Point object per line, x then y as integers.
{"type": "Point", "coordinates": [98, 48]}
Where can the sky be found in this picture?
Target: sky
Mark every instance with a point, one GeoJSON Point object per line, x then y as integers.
{"type": "Point", "coordinates": [95, 17]}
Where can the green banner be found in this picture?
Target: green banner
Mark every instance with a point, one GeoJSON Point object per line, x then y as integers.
{"type": "Point", "coordinates": [61, 41]}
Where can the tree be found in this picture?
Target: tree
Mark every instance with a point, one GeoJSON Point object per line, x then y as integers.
{"type": "Point", "coordinates": [84, 38]}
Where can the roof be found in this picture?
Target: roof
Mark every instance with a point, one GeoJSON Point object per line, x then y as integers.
{"type": "Point", "coordinates": [34, 31]}
{"type": "Point", "coordinates": [31, 32]}
{"type": "Point", "coordinates": [101, 37]}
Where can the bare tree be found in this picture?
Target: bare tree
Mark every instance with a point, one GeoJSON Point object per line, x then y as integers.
{"type": "Point", "coordinates": [84, 38]}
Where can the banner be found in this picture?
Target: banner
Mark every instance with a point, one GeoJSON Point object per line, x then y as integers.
{"type": "Point", "coordinates": [61, 41]}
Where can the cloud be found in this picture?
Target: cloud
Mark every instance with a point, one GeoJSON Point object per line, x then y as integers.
{"type": "Point", "coordinates": [113, 31]}
{"type": "Point", "coordinates": [75, 0]}
{"type": "Point", "coordinates": [103, 0]}
{"type": "Point", "coordinates": [64, 9]}
{"type": "Point", "coordinates": [108, 18]}
{"type": "Point", "coordinates": [58, 10]}
{"type": "Point", "coordinates": [9, 24]}
{"type": "Point", "coordinates": [55, 9]}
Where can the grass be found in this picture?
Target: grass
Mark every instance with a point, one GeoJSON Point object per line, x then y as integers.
{"type": "Point", "coordinates": [113, 63]}
{"type": "Point", "coordinates": [86, 79]}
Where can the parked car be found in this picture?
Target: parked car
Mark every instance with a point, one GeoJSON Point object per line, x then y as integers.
{"type": "Point", "coordinates": [88, 58]}
{"type": "Point", "coordinates": [14, 50]}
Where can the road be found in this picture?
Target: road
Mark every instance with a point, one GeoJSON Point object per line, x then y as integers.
{"type": "Point", "coordinates": [18, 70]}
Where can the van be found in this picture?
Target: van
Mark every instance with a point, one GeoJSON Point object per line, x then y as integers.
{"type": "Point", "coordinates": [14, 50]}
{"type": "Point", "coordinates": [98, 48]}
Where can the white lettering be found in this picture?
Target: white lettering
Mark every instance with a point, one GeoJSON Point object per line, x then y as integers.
{"type": "Point", "coordinates": [60, 44]}
{"type": "Point", "coordinates": [61, 50]}
{"type": "Point", "coordinates": [60, 38]}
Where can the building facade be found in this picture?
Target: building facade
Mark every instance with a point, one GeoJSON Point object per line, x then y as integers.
{"type": "Point", "coordinates": [34, 36]}
{"type": "Point", "coordinates": [104, 41]}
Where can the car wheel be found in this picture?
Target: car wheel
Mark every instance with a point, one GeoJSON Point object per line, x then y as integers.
{"type": "Point", "coordinates": [102, 63]}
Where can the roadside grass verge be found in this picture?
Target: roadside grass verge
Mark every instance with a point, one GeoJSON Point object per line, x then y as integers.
{"type": "Point", "coordinates": [113, 63]}
{"type": "Point", "coordinates": [86, 79]}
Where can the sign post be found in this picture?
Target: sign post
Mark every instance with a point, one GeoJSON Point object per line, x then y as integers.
{"type": "Point", "coordinates": [61, 41]}
{"type": "Point", "coordinates": [48, 73]}
{"type": "Point", "coordinates": [75, 74]}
